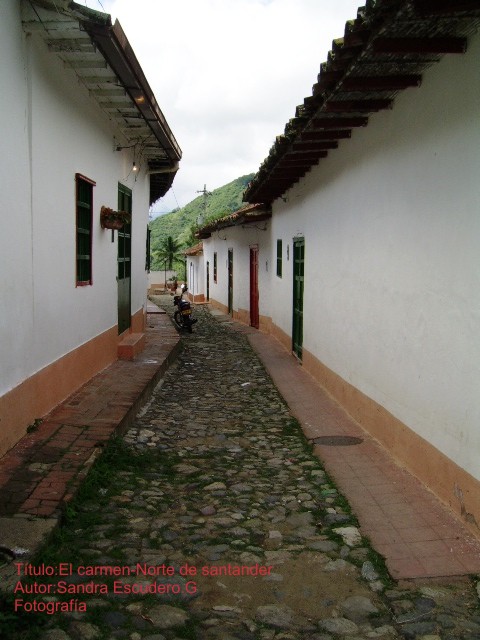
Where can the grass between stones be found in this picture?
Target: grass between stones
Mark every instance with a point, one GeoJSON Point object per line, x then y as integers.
{"type": "Point", "coordinates": [122, 469]}
{"type": "Point", "coordinates": [113, 472]}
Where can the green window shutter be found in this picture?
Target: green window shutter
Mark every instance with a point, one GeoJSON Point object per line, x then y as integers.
{"type": "Point", "coordinates": [148, 251]}
{"type": "Point", "coordinates": [279, 258]}
{"type": "Point", "coordinates": [83, 229]}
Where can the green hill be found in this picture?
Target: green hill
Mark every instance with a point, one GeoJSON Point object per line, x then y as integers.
{"type": "Point", "coordinates": [181, 224]}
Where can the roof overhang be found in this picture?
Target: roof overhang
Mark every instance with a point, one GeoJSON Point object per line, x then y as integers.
{"type": "Point", "coordinates": [248, 215]}
{"type": "Point", "coordinates": [196, 250]}
{"type": "Point", "coordinates": [383, 51]}
{"type": "Point", "coordinates": [105, 63]}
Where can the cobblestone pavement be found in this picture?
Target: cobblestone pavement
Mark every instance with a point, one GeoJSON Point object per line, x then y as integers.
{"type": "Point", "coordinates": [218, 523]}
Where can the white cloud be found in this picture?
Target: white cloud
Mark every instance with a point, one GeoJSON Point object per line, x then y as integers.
{"type": "Point", "coordinates": [227, 74]}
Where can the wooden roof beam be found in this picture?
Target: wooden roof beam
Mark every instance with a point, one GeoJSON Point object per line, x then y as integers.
{"type": "Point", "coordinates": [339, 123]}
{"type": "Point", "coordinates": [326, 80]}
{"type": "Point", "coordinates": [340, 134]}
{"type": "Point", "coordinates": [367, 106]}
{"type": "Point", "coordinates": [306, 155]}
{"type": "Point", "coordinates": [289, 172]}
{"type": "Point", "coordinates": [292, 160]}
{"type": "Point", "coordinates": [356, 37]}
{"type": "Point", "coordinates": [433, 7]}
{"type": "Point", "coordinates": [300, 164]}
{"type": "Point", "coordinates": [315, 146]}
{"type": "Point", "coordinates": [277, 182]}
{"type": "Point", "coordinates": [380, 83]}
{"type": "Point", "coordinates": [420, 45]}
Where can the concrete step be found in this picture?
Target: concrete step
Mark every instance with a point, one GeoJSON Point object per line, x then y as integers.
{"type": "Point", "coordinates": [130, 346]}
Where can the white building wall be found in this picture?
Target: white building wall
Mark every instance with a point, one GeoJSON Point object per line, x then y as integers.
{"type": "Point", "coordinates": [16, 287]}
{"type": "Point", "coordinates": [196, 275]}
{"type": "Point", "coordinates": [392, 271]}
{"type": "Point", "coordinates": [212, 245]}
{"type": "Point", "coordinates": [239, 239]}
{"type": "Point", "coordinates": [160, 278]}
{"type": "Point", "coordinates": [56, 131]}
{"type": "Point", "coordinates": [140, 186]}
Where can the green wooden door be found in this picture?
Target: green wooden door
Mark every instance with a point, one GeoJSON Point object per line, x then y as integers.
{"type": "Point", "coordinates": [124, 262]}
{"type": "Point", "coordinates": [208, 280]}
{"type": "Point", "coordinates": [298, 287]}
{"type": "Point", "coordinates": [254, 294]}
{"type": "Point", "coordinates": [230, 281]}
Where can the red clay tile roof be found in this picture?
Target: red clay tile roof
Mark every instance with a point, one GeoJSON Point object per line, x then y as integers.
{"type": "Point", "coordinates": [248, 214]}
{"type": "Point", "coordinates": [383, 51]}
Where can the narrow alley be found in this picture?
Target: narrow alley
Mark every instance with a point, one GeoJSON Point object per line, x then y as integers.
{"type": "Point", "coordinates": [212, 519]}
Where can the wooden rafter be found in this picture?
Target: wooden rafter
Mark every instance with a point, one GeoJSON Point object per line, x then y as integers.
{"type": "Point", "coordinates": [433, 7]}
{"type": "Point", "coordinates": [315, 146]}
{"type": "Point", "coordinates": [381, 83]}
{"type": "Point", "coordinates": [338, 123]}
{"type": "Point", "coordinates": [306, 155]}
{"type": "Point", "coordinates": [344, 106]}
{"type": "Point", "coordinates": [289, 172]}
{"type": "Point", "coordinates": [420, 45]}
{"type": "Point", "coordinates": [327, 135]}
{"type": "Point", "coordinates": [301, 164]}
{"type": "Point", "coordinates": [356, 37]}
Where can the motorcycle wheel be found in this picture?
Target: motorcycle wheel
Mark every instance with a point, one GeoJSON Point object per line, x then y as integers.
{"type": "Point", "coordinates": [177, 316]}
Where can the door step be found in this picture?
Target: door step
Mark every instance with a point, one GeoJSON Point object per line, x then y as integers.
{"type": "Point", "coordinates": [130, 346]}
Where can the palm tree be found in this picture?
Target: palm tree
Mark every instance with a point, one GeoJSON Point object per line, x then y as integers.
{"type": "Point", "coordinates": [169, 251]}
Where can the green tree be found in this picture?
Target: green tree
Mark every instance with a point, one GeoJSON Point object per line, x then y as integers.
{"type": "Point", "coordinates": [169, 250]}
{"type": "Point", "coordinates": [190, 239]}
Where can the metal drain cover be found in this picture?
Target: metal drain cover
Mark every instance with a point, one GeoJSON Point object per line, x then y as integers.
{"type": "Point", "coordinates": [337, 441]}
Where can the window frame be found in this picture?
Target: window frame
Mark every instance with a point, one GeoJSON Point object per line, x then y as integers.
{"type": "Point", "coordinates": [83, 277]}
{"type": "Point", "coordinates": [215, 266]}
{"type": "Point", "coordinates": [279, 257]}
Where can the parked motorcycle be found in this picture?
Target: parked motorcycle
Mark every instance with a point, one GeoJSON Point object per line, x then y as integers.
{"type": "Point", "coordinates": [183, 313]}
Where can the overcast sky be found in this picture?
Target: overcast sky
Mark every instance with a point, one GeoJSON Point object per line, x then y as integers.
{"type": "Point", "coordinates": [227, 75]}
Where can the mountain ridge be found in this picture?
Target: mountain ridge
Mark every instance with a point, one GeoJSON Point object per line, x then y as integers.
{"type": "Point", "coordinates": [180, 224]}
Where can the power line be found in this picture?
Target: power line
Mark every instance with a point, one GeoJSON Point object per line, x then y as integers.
{"type": "Point", "coordinates": [201, 219]}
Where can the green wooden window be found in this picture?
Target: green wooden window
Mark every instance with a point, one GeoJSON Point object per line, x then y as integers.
{"type": "Point", "coordinates": [279, 258]}
{"type": "Point", "coordinates": [215, 266]}
{"type": "Point", "coordinates": [148, 250]}
{"type": "Point", "coordinates": [83, 229]}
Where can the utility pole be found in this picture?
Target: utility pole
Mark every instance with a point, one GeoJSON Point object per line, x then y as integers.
{"type": "Point", "coordinates": [201, 218]}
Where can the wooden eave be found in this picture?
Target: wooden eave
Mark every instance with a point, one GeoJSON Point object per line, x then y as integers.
{"type": "Point", "coordinates": [329, 134]}
{"type": "Point", "coordinates": [105, 63]}
{"type": "Point", "coordinates": [250, 214]}
{"type": "Point", "coordinates": [196, 250]}
{"type": "Point", "coordinates": [384, 51]}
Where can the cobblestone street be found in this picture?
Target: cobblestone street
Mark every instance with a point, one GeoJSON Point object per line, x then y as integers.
{"type": "Point", "coordinates": [215, 498]}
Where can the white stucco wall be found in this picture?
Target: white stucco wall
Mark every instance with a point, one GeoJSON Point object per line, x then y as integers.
{"type": "Point", "coordinates": [159, 278]}
{"type": "Point", "coordinates": [240, 239]}
{"type": "Point", "coordinates": [196, 275]}
{"type": "Point", "coordinates": [52, 129]}
{"type": "Point", "coordinates": [16, 284]}
{"type": "Point", "coordinates": [392, 271]}
{"type": "Point", "coordinates": [218, 289]}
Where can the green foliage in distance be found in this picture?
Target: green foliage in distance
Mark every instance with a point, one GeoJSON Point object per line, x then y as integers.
{"type": "Point", "coordinates": [168, 252]}
{"type": "Point", "coordinates": [181, 224]}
